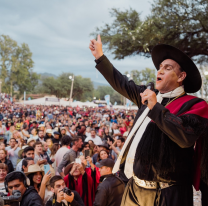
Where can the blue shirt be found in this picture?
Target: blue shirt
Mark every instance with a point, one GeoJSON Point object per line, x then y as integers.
{"type": "Point", "coordinates": [114, 120]}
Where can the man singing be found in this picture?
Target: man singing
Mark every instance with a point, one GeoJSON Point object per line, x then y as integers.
{"type": "Point", "coordinates": [157, 156]}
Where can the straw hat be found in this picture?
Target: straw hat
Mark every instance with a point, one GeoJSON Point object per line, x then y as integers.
{"type": "Point", "coordinates": [69, 167]}
{"type": "Point", "coordinates": [33, 169]}
{"type": "Point", "coordinates": [49, 131]}
{"type": "Point", "coordinates": [30, 140]}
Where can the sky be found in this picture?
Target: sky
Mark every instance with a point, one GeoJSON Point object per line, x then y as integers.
{"type": "Point", "coordinates": [58, 33]}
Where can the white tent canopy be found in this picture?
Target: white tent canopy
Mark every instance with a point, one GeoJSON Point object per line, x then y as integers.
{"type": "Point", "coordinates": [61, 102]}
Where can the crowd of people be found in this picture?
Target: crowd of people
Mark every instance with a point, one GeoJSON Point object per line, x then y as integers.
{"type": "Point", "coordinates": [54, 147]}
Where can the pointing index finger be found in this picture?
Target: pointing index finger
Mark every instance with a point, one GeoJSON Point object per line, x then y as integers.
{"type": "Point", "coordinates": [98, 38]}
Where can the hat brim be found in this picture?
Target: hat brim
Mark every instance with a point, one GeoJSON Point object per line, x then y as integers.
{"type": "Point", "coordinates": [68, 168]}
{"type": "Point", "coordinates": [193, 81]}
{"type": "Point", "coordinates": [27, 173]}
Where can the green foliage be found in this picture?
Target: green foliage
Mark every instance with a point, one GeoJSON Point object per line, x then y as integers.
{"type": "Point", "coordinates": [61, 86]}
{"type": "Point", "coordinates": [181, 23]}
{"type": "Point", "coordinates": [16, 66]}
{"type": "Point", "coordinates": [144, 76]}
{"type": "Point", "coordinates": [101, 91]}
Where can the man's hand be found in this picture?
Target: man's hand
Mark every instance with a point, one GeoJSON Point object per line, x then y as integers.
{"type": "Point", "coordinates": [96, 47]}
{"type": "Point", "coordinates": [69, 198]}
{"type": "Point", "coordinates": [40, 162]}
{"type": "Point", "coordinates": [150, 96]}
{"type": "Point", "coordinates": [60, 196]}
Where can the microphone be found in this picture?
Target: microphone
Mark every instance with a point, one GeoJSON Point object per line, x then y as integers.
{"type": "Point", "coordinates": [150, 86]}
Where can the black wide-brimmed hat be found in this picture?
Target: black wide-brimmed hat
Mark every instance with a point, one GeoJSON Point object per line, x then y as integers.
{"type": "Point", "coordinates": [193, 81]}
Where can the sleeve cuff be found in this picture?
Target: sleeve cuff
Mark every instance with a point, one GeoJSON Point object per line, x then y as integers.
{"type": "Point", "coordinates": [97, 61]}
{"type": "Point", "coordinates": [156, 111]}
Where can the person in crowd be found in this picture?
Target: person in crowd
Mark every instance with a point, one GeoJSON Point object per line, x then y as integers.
{"type": "Point", "coordinates": [3, 159]}
{"type": "Point", "coordinates": [106, 135]}
{"type": "Point", "coordinates": [13, 157]}
{"type": "Point", "coordinates": [46, 147]}
{"type": "Point", "coordinates": [96, 139]}
{"type": "Point", "coordinates": [18, 181]}
{"type": "Point", "coordinates": [115, 131]}
{"type": "Point", "coordinates": [63, 131]}
{"type": "Point", "coordinates": [65, 142]}
{"type": "Point", "coordinates": [49, 142]}
{"type": "Point", "coordinates": [119, 142]}
{"type": "Point", "coordinates": [9, 133]}
{"type": "Point", "coordinates": [88, 131]}
{"type": "Point", "coordinates": [46, 154]}
{"type": "Point", "coordinates": [77, 179]}
{"type": "Point", "coordinates": [56, 138]}
{"type": "Point", "coordinates": [40, 135]}
{"type": "Point", "coordinates": [38, 180]}
{"type": "Point", "coordinates": [38, 150]}
{"type": "Point", "coordinates": [3, 173]}
{"type": "Point", "coordinates": [26, 162]}
{"type": "Point", "coordinates": [54, 149]}
{"type": "Point", "coordinates": [103, 154]}
{"type": "Point", "coordinates": [110, 184]}
{"type": "Point", "coordinates": [113, 120]}
{"type": "Point", "coordinates": [25, 134]}
{"type": "Point", "coordinates": [71, 155]}
{"type": "Point", "coordinates": [2, 145]}
{"type": "Point", "coordinates": [34, 133]}
{"type": "Point", "coordinates": [49, 134]}
{"type": "Point", "coordinates": [28, 152]}
{"type": "Point", "coordinates": [31, 142]}
{"type": "Point", "coordinates": [2, 130]}
{"type": "Point", "coordinates": [99, 148]}
{"type": "Point", "coordinates": [60, 198]}
{"type": "Point", "coordinates": [123, 129]}
{"type": "Point", "coordinates": [8, 124]}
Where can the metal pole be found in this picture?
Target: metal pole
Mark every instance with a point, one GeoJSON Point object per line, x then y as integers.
{"type": "Point", "coordinates": [11, 89]}
{"type": "Point", "coordinates": [71, 88]}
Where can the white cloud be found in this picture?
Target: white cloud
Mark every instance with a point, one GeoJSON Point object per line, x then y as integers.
{"type": "Point", "coordinates": [58, 32]}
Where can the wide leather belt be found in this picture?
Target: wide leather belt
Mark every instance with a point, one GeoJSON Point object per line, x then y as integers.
{"type": "Point", "coordinates": [150, 184]}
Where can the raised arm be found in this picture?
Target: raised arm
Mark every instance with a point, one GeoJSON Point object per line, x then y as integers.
{"type": "Point", "coordinates": [118, 81]}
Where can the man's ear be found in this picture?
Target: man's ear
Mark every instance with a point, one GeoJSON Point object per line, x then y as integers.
{"type": "Point", "coordinates": [52, 189]}
{"type": "Point", "coordinates": [181, 77]}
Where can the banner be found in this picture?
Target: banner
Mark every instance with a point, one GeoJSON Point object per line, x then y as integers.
{"type": "Point", "coordinates": [107, 99]}
{"type": "Point", "coordinates": [51, 99]}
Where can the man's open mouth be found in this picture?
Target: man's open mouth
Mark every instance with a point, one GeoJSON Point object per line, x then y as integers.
{"type": "Point", "coordinates": [158, 79]}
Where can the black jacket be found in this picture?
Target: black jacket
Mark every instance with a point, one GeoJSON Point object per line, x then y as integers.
{"type": "Point", "coordinates": [109, 191]}
{"type": "Point", "coordinates": [9, 165]}
{"type": "Point", "coordinates": [76, 202]}
{"type": "Point", "coordinates": [31, 198]}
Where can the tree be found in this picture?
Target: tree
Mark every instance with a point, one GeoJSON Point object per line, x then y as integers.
{"type": "Point", "coordinates": [181, 23]}
{"type": "Point", "coordinates": [16, 66]}
{"type": "Point", "coordinates": [61, 87]}
{"type": "Point", "coordinates": [101, 91]}
{"type": "Point", "coordinates": [144, 76]}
